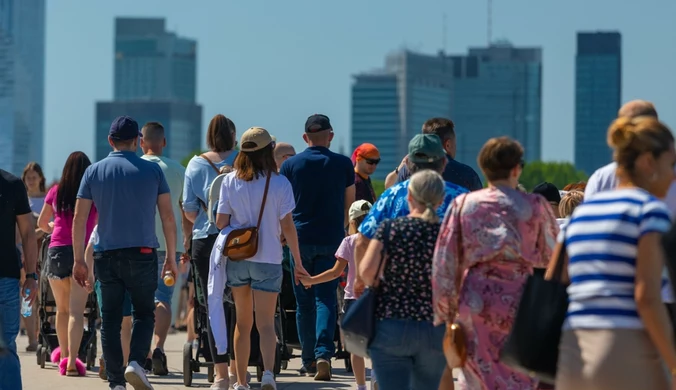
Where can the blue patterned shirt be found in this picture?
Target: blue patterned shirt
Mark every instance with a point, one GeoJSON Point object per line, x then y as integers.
{"type": "Point", "coordinates": [393, 203]}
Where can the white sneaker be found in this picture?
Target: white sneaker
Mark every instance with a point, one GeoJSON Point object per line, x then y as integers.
{"type": "Point", "coordinates": [268, 381]}
{"type": "Point", "coordinates": [241, 387]}
{"type": "Point", "coordinates": [136, 377]}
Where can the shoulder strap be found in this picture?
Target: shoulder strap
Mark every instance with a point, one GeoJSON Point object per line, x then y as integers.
{"type": "Point", "coordinates": [265, 197]}
{"type": "Point", "coordinates": [218, 171]}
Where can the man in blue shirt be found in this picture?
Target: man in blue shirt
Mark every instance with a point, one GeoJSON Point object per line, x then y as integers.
{"type": "Point", "coordinates": [455, 172]}
{"type": "Point", "coordinates": [126, 190]}
{"type": "Point", "coordinates": [323, 187]}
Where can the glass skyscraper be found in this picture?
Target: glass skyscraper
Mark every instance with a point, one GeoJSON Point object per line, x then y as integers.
{"type": "Point", "coordinates": [155, 80]}
{"type": "Point", "coordinates": [22, 80]}
{"type": "Point", "coordinates": [390, 105]}
{"type": "Point", "coordinates": [497, 92]}
{"type": "Point", "coordinates": [598, 93]}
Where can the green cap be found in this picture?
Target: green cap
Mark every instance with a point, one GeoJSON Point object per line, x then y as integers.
{"type": "Point", "coordinates": [425, 148]}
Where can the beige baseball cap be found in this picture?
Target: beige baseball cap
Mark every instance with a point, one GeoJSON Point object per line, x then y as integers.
{"type": "Point", "coordinates": [256, 138]}
{"type": "Point", "coordinates": [359, 208]}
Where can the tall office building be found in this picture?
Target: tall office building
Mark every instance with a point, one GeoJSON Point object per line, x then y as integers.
{"type": "Point", "coordinates": [598, 94]}
{"type": "Point", "coordinates": [155, 80]}
{"type": "Point", "coordinates": [390, 105]}
{"type": "Point", "coordinates": [22, 82]}
{"type": "Point", "coordinates": [496, 92]}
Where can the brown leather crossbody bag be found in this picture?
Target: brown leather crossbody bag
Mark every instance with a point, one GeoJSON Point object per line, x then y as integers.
{"type": "Point", "coordinates": [242, 243]}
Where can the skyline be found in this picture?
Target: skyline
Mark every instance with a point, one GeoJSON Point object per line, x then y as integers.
{"type": "Point", "coordinates": [258, 74]}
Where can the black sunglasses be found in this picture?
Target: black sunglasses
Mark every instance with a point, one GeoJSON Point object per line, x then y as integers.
{"type": "Point", "coordinates": [372, 161]}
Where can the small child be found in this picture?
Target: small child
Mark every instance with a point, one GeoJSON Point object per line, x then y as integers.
{"type": "Point", "coordinates": [345, 257]}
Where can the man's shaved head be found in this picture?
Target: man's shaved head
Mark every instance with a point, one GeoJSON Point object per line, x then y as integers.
{"type": "Point", "coordinates": [153, 132]}
{"type": "Point", "coordinates": [282, 152]}
{"type": "Point", "coordinates": [636, 108]}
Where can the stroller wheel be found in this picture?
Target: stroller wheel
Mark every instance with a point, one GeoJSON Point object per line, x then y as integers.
{"type": "Point", "coordinates": [38, 353]}
{"type": "Point", "coordinates": [187, 364]}
{"type": "Point", "coordinates": [285, 364]}
{"type": "Point", "coordinates": [210, 374]}
{"type": "Point", "coordinates": [43, 357]}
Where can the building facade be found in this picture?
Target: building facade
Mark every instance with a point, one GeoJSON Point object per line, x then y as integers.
{"type": "Point", "coordinates": [155, 80]}
{"type": "Point", "coordinates": [598, 94]}
{"type": "Point", "coordinates": [22, 79]}
{"type": "Point", "coordinates": [389, 106]}
{"type": "Point", "coordinates": [497, 91]}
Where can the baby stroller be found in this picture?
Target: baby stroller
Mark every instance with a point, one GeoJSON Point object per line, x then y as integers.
{"type": "Point", "coordinates": [47, 340]}
{"type": "Point", "coordinates": [191, 359]}
{"type": "Point", "coordinates": [290, 330]}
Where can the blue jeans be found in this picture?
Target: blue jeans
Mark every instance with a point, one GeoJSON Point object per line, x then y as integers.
{"type": "Point", "coordinates": [10, 304]}
{"type": "Point", "coordinates": [132, 271]}
{"type": "Point", "coordinates": [316, 306]}
{"type": "Point", "coordinates": [408, 354]}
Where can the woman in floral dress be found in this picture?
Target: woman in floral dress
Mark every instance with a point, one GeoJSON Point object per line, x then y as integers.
{"type": "Point", "coordinates": [494, 238]}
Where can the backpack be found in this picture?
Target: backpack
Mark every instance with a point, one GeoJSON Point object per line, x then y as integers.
{"type": "Point", "coordinates": [214, 191]}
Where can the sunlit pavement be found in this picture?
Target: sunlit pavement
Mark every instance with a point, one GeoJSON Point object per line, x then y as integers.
{"type": "Point", "coordinates": [35, 377]}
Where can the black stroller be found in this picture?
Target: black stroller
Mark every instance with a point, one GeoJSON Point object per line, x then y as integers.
{"type": "Point", "coordinates": [47, 340]}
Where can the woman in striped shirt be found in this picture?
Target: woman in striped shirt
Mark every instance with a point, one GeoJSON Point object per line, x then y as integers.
{"type": "Point", "coordinates": [617, 334]}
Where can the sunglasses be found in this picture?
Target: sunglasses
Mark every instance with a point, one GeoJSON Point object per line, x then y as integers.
{"type": "Point", "coordinates": [372, 161]}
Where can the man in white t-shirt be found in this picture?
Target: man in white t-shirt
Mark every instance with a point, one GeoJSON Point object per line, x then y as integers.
{"type": "Point", "coordinates": [153, 143]}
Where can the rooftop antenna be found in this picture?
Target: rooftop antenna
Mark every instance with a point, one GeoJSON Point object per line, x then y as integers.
{"type": "Point", "coordinates": [489, 24]}
{"type": "Point", "coordinates": [444, 32]}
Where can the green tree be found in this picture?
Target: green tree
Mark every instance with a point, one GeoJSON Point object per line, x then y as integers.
{"type": "Point", "coordinates": [558, 173]}
{"type": "Point", "coordinates": [378, 187]}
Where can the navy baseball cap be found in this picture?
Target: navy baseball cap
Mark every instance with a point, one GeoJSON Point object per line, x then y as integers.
{"type": "Point", "coordinates": [316, 123]}
{"type": "Point", "coordinates": [124, 128]}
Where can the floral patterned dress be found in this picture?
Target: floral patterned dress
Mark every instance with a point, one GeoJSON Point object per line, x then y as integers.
{"type": "Point", "coordinates": [505, 234]}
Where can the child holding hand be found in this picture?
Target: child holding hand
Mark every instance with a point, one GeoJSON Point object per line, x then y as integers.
{"type": "Point", "coordinates": [345, 258]}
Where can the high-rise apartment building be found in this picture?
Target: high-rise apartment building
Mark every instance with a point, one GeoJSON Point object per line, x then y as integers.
{"type": "Point", "coordinates": [598, 94]}
{"type": "Point", "coordinates": [22, 80]}
{"type": "Point", "coordinates": [490, 92]}
{"type": "Point", "coordinates": [389, 106]}
{"type": "Point", "coordinates": [497, 92]}
{"type": "Point", "coordinates": [155, 80]}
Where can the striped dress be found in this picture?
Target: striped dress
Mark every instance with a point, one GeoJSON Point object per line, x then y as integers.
{"type": "Point", "coordinates": [602, 240]}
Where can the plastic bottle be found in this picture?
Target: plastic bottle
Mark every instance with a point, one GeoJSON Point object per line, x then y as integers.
{"type": "Point", "coordinates": [169, 279]}
{"type": "Point", "coordinates": [26, 308]}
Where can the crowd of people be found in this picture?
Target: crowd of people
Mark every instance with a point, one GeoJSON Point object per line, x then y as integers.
{"type": "Point", "coordinates": [440, 246]}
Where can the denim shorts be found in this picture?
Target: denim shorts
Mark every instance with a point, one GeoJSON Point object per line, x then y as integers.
{"type": "Point", "coordinates": [260, 276]}
{"type": "Point", "coordinates": [164, 293]}
{"type": "Point", "coordinates": [59, 264]}
{"type": "Point", "coordinates": [126, 305]}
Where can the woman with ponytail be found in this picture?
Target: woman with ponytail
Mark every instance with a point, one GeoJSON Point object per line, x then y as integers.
{"type": "Point", "coordinates": [406, 351]}
{"type": "Point", "coordinates": [490, 241]}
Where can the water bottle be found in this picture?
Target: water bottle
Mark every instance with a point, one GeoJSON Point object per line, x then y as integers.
{"type": "Point", "coordinates": [169, 279]}
{"type": "Point", "coordinates": [26, 308]}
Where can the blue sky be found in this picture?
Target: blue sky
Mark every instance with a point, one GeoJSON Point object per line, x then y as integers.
{"type": "Point", "coordinates": [272, 63]}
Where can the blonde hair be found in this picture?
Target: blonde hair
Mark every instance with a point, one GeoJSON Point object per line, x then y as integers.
{"type": "Point", "coordinates": [569, 202]}
{"type": "Point", "coordinates": [631, 137]}
{"type": "Point", "coordinates": [427, 188]}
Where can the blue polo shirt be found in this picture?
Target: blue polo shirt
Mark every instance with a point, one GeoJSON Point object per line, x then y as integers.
{"type": "Point", "coordinates": [124, 188]}
{"type": "Point", "coordinates": [319, 178]}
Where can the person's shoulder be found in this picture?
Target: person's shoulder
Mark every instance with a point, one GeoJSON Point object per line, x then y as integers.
{"type": "Point", "coordinates": [461, 167]}
{"type": "Point", "coordinates": [454, 189]}
{"type": "Point", "coordinates": [9, 178]}
{"type": "Point", "coordinates": [340, 158]}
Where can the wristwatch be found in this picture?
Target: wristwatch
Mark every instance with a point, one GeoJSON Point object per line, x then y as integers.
{"type": "Point", "coordinates": [32, 276]}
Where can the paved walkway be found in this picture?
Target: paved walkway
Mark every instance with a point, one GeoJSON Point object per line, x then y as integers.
{"type": "Point", "coordinates": [48, 378]}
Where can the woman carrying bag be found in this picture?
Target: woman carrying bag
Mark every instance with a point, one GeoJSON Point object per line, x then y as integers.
{"type": "Point", "coordinates": [406, 349]}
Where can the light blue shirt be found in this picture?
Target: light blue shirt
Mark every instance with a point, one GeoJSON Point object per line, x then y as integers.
{"type": "Point", "coordinates": [603, 179]}
{"type": "Point", "coordinates": [198, 177]}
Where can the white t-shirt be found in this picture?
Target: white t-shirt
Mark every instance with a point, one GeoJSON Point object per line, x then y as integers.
{"type": "Point", "coordinates": [603, 179]}
{"type": "Point", "coordinates": [242, 201]}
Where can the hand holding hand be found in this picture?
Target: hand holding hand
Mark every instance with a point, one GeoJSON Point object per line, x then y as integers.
{"type": "Point", "coordinates": [299, 272]}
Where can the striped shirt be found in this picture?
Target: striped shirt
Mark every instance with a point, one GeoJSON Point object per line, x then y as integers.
{"type": "Point", "coordinates": [601, 241]}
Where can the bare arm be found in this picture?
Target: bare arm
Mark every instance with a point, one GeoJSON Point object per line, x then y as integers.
{"type": "Point", "coordinates": [362, 243]}
{"type": "Point", "coordinates": [369, 266]}
{"type": "Point", "coordinates": [649, 265]}
{"type": "Point", "coordinates": [82, 209]}
{"type": "Point", "coordinates": [45, 218]}
{"type": "Point", "coordinates": [26, 224]}
{"type": "Point", "coordinates": [168, 223]}
{"type": "Point", "coordinates": [186, 228]}
{"type": "Point", "coordinates": [191, 216]}
{"type": "Point", "coordinates": [222, 220]}
{"type": "Point", "coordinates": [349, 199]}
{"type": "Point", "coordinates": [328, 275]}
{"type": "Point", "coordinates": [291, 236]}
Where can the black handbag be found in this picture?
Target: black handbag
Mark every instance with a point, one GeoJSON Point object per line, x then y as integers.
{"type": "Point", "coordinates": [359, 322]}
{"type": "Point", "coordinates": [533, 344]}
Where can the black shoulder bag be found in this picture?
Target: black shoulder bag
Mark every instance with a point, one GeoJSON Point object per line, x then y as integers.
{"type": "Point", "coordinates": [359, 322]}
{"type": "Point", "coordinates": [533, 344]}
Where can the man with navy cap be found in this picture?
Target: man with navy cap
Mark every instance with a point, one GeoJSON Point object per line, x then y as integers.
{"type": "Point", "coordinates": [126, 190]}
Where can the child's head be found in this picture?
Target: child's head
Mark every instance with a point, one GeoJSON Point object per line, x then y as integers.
{"type": "Point", "coordinates": [358, 211]}
{"type": "Point", "coordinates": [569, 202]}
